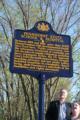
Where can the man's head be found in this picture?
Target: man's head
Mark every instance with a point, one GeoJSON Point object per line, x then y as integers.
{"type": "Point", "coordinates": [75, 109]}
{"type": "Point", "coordinates": [63, 95]}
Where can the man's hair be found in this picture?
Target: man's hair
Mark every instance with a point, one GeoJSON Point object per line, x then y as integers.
{"type": "Point", "coordinates": [76, 101]}
{"type": "Point", "coordinates": [64, 89]}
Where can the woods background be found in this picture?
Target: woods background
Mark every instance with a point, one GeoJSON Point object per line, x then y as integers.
{"type": "Point", "coordinates": [19, 93]}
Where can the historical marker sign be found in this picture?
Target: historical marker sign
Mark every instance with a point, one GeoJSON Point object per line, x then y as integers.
{"type": "Point", "coordinates": [41, 51]}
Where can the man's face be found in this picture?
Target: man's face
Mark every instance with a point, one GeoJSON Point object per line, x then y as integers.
{"type": "Point", "coordinates": [76, 108]}
{"type": "Point", "coordinates": [63, 95]}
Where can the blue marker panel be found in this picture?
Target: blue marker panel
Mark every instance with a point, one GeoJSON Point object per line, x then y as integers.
{"type": "Point", "coordinates": [40, 51]}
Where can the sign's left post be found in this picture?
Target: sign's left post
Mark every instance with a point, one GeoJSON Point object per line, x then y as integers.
{"type": "Point", "coordinates": [41, 100]}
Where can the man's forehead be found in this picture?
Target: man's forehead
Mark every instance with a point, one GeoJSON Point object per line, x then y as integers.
{"type": "Point", "coordinates": [76, 104]}
{"type": "Point", "coordinates": [63, 90]}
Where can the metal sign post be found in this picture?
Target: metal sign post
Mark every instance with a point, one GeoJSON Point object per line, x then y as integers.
{"type": "Point", "coordinates": [41, 53]}
{"type": "Point", "coordinates": [41, 98]}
